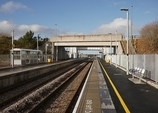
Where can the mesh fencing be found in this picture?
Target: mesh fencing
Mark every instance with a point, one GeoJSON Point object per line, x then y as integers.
{"type": "Point", "coordinates": [148, 62]}
{"type": "Point", "coordinates": [5, 60]}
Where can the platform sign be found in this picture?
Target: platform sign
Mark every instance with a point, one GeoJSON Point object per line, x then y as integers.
{"type": "Point", "coordinates": [88, 107]}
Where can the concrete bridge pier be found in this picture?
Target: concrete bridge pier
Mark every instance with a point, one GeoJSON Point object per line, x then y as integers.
{"type": "Point", "coordinates": [58, 53]}
{"type": "Point", "coordinates": [73, 52]}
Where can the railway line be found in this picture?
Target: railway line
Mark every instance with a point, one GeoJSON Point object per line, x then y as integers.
{"type": "Point", "coordinates": [35, 95]}
{"type": "Point", "coordinates": [74, 86]}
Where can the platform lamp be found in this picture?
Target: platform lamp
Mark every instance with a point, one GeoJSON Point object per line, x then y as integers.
{"type": "Point", "coordinates": [46, 49]}
{"type": "Point", "coordinates": [12, 55]}
{"type": "Point", "coordinates": [110, 47]}
{"type": "Point", "coordinates": [127, 10]}
{"type": "Point", "coordinates": [116, 48]}
{"type": "Point", "coordinates": [56, 29]}
{"type": "Point", "coordinates": [37, 41]}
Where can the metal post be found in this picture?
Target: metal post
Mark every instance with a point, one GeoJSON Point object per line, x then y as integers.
{"type": "Point", "coordinates": [127, 41]}
{"type": "Point", "coordinates": [12, 48]}
{"type": "Point", "coordinates": [131, 22]}
{"type": "Point", "coordinates": [111, 48]}
{"type": "Point", "coordinates": [37, 42]}
{"type": "Point", "coordinates": [56, 53]}
{"type": "Point", "coordinates": [56, 29]}
{"type": "Point", "coordinates": [46, 47]}
{"type": "Point", "coordinates": [72, 53]}
{"type": "Point", "coordinates": [132, 37]}
{"type": "Point", "coordinates": [127, 10]}
{"type": "Point", "coordinates": [116, 49]}
{"type": "Point", "coordinates": [37, 49]}
{"type": "Point", "coordinates": [52, 51]}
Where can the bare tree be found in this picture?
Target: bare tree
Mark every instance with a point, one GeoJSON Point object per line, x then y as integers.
{"type": "Point", "coordinates": [150, 31]}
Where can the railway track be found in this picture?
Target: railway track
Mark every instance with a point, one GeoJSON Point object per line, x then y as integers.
{"type": "Point", "coordinates": [9, 95]}
{"type": "Point", "coordinates": [64, 102]}
{"type": "Point", "coordinates": [31, 100]}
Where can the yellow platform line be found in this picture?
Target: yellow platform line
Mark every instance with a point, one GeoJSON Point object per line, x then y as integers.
{"type": "Point", "coordinates": [116, 92]}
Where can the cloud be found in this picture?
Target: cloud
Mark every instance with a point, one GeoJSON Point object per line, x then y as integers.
{"type": "Point", "coordinates": [119, 25]}
{"type": "Point", "coordinates": [6, 26]}
{"type": "Point", "coordinates": [147, 12]}
{"type": "Point", "coordinates": [11, 7]}
{"type": "Point", "coordinates": [34, 27]}
{"type": "Point", "coordinates": [70, 33]}
{"type": "Point", "coordinates": [119, 3]}
{"type": "Point", "coordinates": [20, 30]}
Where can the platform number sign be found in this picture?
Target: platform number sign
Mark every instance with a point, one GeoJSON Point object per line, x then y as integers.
{"type": "Point", "coordinates": [88, 107]}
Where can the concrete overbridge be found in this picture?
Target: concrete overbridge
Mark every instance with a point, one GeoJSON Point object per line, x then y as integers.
{"type": "Point", "coordinates": [85, 41]}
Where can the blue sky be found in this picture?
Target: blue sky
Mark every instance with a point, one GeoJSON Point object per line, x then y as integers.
{"type": "Point", "coordinates": [74, 16]}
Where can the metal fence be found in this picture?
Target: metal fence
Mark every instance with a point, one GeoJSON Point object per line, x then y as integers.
{"type": "Point", "coordinates": [5, 60]}
{"type": "Point", "coordinates": [148, 62]}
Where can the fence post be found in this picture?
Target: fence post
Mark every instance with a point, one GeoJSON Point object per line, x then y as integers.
{"type": "Point", "coordinates": [156, 68]}
{"type": "Point", "coordinates": [144, 61]}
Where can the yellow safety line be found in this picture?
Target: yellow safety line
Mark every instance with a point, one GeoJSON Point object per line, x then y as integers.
{"type": "Point", "coordinates": [117, 93]}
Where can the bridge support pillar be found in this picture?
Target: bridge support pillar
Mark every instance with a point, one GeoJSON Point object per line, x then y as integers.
{"type": "Point", "coordinates": [52, 51]}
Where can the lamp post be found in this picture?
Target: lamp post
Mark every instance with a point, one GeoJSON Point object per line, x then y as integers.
{"type": "Point", "coordinates": [56, 53]}
{"type": "Point", "coordinates": [116, 48]}
{"type": "Point", "coordinates": [56, 46]}
{"type": "Point", "coordinates": [110, 48]}
{"type": "Point", "coordinates": [127, 10]}
{"type": "Point", "coordinates": [111, 44]}
{"type": "Point", "coordinates": [37, 41]}
{"type": "Point", "coordinates": [132, 36]}
{"type": "Point", "coordinates": [46, 48]}
{"type": "Point", "coordinates": [56, 29]}
{"type": "Point", "coordinates": [131, 22]}
{"type": "Point", "coordinates": [12, 48]}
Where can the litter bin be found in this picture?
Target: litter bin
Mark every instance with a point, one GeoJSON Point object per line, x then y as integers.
{"type": "Point", "coordinates": [48, 60]}
{"type": "Point", "coordinates": [107, 61]}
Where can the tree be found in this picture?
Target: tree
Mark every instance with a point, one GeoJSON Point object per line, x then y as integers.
{"type": "Point", "coordinates": [27, 41]}
{"type": "Point", "coordinates": [150, 31]}
{"type": "Point", "coordinates": [5, 43]}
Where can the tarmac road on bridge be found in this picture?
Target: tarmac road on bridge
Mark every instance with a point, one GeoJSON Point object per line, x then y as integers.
{"type": "Point", "coordinates": [131, 97]}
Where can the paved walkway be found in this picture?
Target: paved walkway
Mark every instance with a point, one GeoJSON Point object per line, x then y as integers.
{"type": "Point", "coordinates": [111, 91]}
{"type": "Point", "coordinates": [95, 97]}
{"type": "Point", "coordinates": [137, 97]}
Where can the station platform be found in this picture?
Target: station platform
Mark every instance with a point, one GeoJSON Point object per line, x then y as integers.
{"type": "Point", "coordinates": [95, 96]}
{"type": "Point", "coordinates": [109, 90]}
{"type": "Point", "coordinates": [11, 76]}
{"type": "Point", "coordinates": [9, 70]}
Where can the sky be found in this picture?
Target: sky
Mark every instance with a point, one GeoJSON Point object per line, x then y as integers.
{"type": "Point", "coordinates": [75, 17]}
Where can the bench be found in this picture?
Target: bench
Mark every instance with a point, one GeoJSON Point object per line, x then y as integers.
{"type": "Point", "coordinates": [138, 72]}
